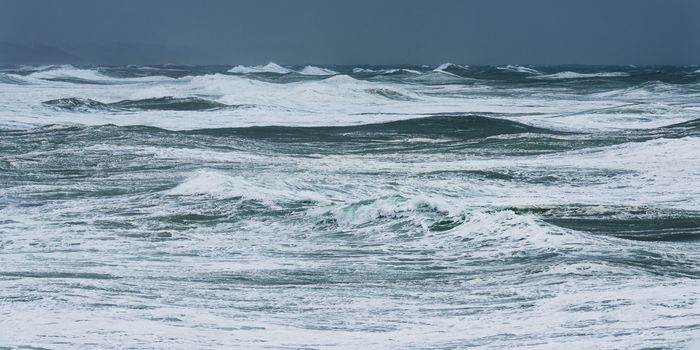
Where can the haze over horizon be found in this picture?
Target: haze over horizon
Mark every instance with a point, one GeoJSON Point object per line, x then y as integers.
{"type": "Point", "coordinates": [360, 32]}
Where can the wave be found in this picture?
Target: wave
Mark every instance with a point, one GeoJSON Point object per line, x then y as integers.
{"type": "Point", "coordinates": [635, 223]}
{"type": "Point", "coordinates": [12, 79]}
{"type": "Point", "coordinates": [390, 94]}
{"type": "Point", "coordinates": [271, 67]}
{"type": "Point", "coordinates": [418, 212]}
{"type": "Point", "coordinates": [646, 90]}
{"type": "Point", "coordinates": [431, 129]}
{"type": "Point", "coordinates": [441, 127]}
{"type": "Point", "coordinates": [402, 70]}
{"type": "Point", "coordinates": [502, 234]}
{"type": "Point", "coordinates": [312, 70]}
{"type": "Point", "coordinates": [693, 124]}
{"type": "Point", "coordinates": [220, 185]}
{"type": "Point", "coordinates": [574, 75]}
{"type": "Point", "coordinates": [338, 92]}
{"type": "Point", "coordinates": [274, 68]}
{"type": "Point", "coordinates": [358, 70]}
{"type": "Point", "coordinates": [430, 224]}
{"type": "Point", "coordinates": [71, 74]}
{"type": "Point", "coordinates": [450, 69]}
{"type": "Point", "coordinates": [75, 104]}
{"type": "Point", "coordinates": [385, 71]}
{"type": "Point", "coordinates": [519, 69]}
{"type": "Point", "coordinates": [211, 182]}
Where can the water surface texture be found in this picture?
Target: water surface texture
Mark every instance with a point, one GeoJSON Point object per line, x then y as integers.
{"type": "Point", "coordinates": [489, 207]}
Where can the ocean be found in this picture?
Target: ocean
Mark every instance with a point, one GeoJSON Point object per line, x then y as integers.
{"type": "Point", "coordinates": [324, 207]}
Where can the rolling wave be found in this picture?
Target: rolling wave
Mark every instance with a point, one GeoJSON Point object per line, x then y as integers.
{"type": "Point", "coordinates": [268, 68]}
{"type": "Point", "coordinates": [390, 71]}
{"type": "Point", "coordinates": [168, 103]}
{"type": "Point", "coordinates": [574, 75]}
{"type": "Point", "coordinates": [635, 223]}
{"type": "Point", "coordinates": [519, 69]}
{"type": "Point", "coordinates": [448, 126]}
{"type": "Point", "coordinates": [451, 69]}
{"type": "Point", "coordinates": [12, 79]}
{"type": "Point", "coordinates": [312, 70]}
{"type": "Point", "coordinates": [71, 74]}
{"type": "Point", "coordinates": [274, 68]}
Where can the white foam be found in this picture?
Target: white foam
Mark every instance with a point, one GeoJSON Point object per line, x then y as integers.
{"type": "Point", "coordinates": [219, 185]}
{"type": "Point", "coordinates": [268, 68]}
{"type": "Point", "coordinates": [496, 234]}
{"type": "Point", "coordinates": [8, 78]}
{"type": "Point", "coordinates": [342, 100]}
{"type": "Point", "coordinates": [392, 71]}
{"type": "Point", "coordinates": [520, 69]}
{"type": "Point", "coordinates": [441, 68]}
{"type": "Point", "coordinates": [574, 75]}
{"type": "Point", "coordinates": [358, 70]}
{"type": "Point", "coordinates": [450, 65]}
{"type": "Point", "coordinates": [68, 71]}
{"type": "Point", "coordinates": [312, 70]}
{"type": "Point", "coordinates": [385, 71]}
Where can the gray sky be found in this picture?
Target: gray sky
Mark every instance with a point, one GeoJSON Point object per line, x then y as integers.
{"type": "Point", "coordinates": [360, 31]}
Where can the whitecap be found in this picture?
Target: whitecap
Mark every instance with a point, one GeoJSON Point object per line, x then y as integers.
{"type": "Point", "coordinates": [12, 79]}
{"type": "Point", "coordinates": [442, 68]}
{"type": "Point", "coordinates": [402, 70]}
{"type": "Point", "coordinates": [385, 71]}
{"type": "Point", "coordinates": [574, 75]}
{"type": "Point", "coordinates": [313, 70]}
{"type": "Point", "coordinates": [358, 70]}
{"type": "Point", "coordinates": [268, 68]}
{"type": "Point", "coordinates": [219, 185]}
{"type": "Point", "coordinates": [69, 73]}
{"type": "Point", "coordinates": [519, 69]}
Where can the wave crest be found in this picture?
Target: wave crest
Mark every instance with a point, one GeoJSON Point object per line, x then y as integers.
{"type": "Point", "coordinates": [519, 69]}
{"type": "Point", "coordinates": [168, 103]}
{"type": "Point", "coordinates": [574, 75]}
{"type": "Point", "coordinates": [271, 67]}
{"type": "Point", "coordinates": [274, 68]}
{"type": "Point", "coordinates": [312, 70]}
{"type": "Point", "coordinates": [451, 69]}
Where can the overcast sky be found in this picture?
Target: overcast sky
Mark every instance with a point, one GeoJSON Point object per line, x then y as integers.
{"type": "Point", "coordinates": [364, 31]}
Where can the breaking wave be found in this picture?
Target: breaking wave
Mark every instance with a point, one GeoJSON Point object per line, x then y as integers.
{"type": "Point", "coordinates": [274, 68]}
{"type": "Point", "coordinates": [520, 69]}
{"type": "Point", "coordinates": [574, 75]}
{"type": "Point", "coordinates": [268, 68]}
{"type": "Point", "coordinates": [390, 71]}
{"type": "Point", "coordinates": [71, 74]}
{"type": "Point", "coordinates": [451, 69]}
{"type": "Point", "coordinates": [12, 79]}
{"type": "Point", "coordinates": [312, 70]}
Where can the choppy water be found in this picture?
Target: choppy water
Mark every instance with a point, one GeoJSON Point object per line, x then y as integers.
{"type": "Point", "coordinates": [345, 207]}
